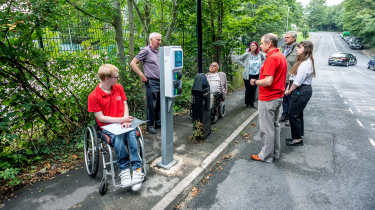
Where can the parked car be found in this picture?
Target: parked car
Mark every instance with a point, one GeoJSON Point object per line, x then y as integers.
{"type": "Point", "coordinates": [343, 59]}
{"type": "Point", "coordinates": [371, 63]}
{"type": "Point", "coordinates": [355, 45]}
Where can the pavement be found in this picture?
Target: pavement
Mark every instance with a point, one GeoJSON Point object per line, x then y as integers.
{"type": "Point", "coordinates": [76, 190]}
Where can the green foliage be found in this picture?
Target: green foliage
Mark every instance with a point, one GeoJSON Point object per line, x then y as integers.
{"type": "Point", "coordinates": [10, 174]}
{"type": "Point", "coordinates": [356, 16]}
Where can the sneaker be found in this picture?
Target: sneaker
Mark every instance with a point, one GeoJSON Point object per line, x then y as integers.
{"type": "Point", "coordinates": [137, 187]}
{"type": "Point", "coordinates": [151, 130]}
{"type": "Point", "coordinates": [138, 176]}
{"type": "Point", "coordinates": [125, 178]}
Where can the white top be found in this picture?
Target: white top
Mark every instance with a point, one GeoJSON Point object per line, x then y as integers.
{"type": "Point", "coordinates": [304, 74]}
{"type": "Point", "coordinates": [214, 81]}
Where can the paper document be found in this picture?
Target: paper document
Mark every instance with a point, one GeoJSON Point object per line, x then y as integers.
{"type": "Point", "coordinates": [116, 128]}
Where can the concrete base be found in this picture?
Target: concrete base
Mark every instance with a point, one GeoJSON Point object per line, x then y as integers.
{"type": "Point", "coordinates": [174, 170]}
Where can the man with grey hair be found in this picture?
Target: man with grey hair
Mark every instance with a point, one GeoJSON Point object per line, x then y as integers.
{"type": "Point", "coordinates": [271, 91]}
{"type": "Point", "coordinates": [289, 50]}
{"type": "Point", "coordinates": [149, 56]}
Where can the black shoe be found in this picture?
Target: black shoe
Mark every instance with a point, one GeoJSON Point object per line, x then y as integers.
{"type": "Point", "coordinates": [157, 126]}
{"type": "Point", "coordinates": [288, 139]}
{"type": "Point", "coordinates": [295, 142]}
{"type": "Point", "coordinates": [283, 118]}
{"type": "Point", "coordinates": [151, 130]}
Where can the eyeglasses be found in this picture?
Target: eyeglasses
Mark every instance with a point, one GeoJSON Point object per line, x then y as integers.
{"type": "Point", "coordinates": [115, 77]}
{"type": "Point", "coordinates": [214, 65]}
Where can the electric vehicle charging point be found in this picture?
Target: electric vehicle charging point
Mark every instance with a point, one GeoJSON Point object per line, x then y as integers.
{"type": "Point", "coordinates": [171, 64]}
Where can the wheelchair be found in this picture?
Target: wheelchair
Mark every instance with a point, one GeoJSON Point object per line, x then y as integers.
{"type": "Point", "coordinates": [217, 105]}
{"type": "Point", "coordinates": [97, 144]}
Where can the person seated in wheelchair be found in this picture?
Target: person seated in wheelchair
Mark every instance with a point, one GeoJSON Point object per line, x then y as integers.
{"type": "Point", "coordinates": [108, 103]}
{"type": "Point", "coordinates": [218, 87]}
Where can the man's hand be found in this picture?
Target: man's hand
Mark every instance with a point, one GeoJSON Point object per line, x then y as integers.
{"type": "Point", "coordinates": [129, 118]}
{"type": "Point", "coordinates": [252, 82]}
{"type": "Point", "coordinates": [143, 78]}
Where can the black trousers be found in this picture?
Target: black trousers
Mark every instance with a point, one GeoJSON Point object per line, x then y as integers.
{"type": "Point", "coordinates": [298, 101]}
{"type": "Point", "coordinates": [153, 102]}
{"type": "Point", "coordinates": [285, 102]}
{"type": "Point", "coordinates": [250, 90]}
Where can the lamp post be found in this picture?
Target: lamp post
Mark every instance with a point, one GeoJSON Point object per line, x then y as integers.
{"type": "Point", "coordinates": [199, 34]}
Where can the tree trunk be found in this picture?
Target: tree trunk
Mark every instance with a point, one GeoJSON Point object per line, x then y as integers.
{"type": "Point", "coordinates": [213, 36]}
{"type": "Point", "coordinates": [220, 30]}
{"type": "Point", "coordinates": [117, 24]}
{"type": "Point", "coordinates": [131, 29]}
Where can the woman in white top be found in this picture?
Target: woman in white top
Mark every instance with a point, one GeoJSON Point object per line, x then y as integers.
{"type": "Point", "coordinates": [300, 91]}
{"type": "Point", "coordinates": [252, 61]}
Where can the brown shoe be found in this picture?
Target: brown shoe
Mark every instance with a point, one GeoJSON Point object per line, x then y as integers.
{"type": "Point", "coordinates": [256, 157]}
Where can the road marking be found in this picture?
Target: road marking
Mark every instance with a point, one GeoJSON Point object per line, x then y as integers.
{"type": "Point", "coordinates": [351, 111]}
{"type": "Point", "coordinates": [333, 41]}
{"type": "Point", "coordinates": [188, 181]}
{"type": "Point", "coordinates": [372, 142]}
{"type": "Point", "coordinates": [360, 124]}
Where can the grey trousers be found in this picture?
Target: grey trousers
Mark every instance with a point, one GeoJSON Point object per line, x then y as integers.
{"type": "Point", "coordinates": [269, 129]}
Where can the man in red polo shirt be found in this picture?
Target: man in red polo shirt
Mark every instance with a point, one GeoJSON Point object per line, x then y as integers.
{"type": "Point", "coordinates": [108, 103]}
{"type": "Point", "coordinates": [271, 91]}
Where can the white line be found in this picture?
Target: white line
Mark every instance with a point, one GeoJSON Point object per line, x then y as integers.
{"type": "Point", "coordinates": [345, 102]}
{"type": "Point", "coordinates": [183, 184]}
{"type": "Point", "coordinates": [360, 124]}
{"type": "Point", "coordinates": [351, 111]}
{"type": "Point", "coordinates": [333, 41]}
{"type": "Point", "coordinates": [372, 142]}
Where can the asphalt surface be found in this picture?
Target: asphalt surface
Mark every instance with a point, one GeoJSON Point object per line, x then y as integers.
{"type": "Point", "coordinates": [76, 190]}
{"type": "Point", "coordinates": [334, 169]}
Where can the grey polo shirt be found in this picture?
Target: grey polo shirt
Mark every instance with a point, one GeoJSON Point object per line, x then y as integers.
{"type": "Point", "coordinates": [150, 59]}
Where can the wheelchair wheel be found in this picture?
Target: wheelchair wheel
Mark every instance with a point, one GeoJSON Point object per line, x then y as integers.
{"type": "Point", "coordinates": [91, 152]}
{"type": "Point", "coordinates": [221, 110]}
{"type": "Point", "coordinates": [141, 150]}
{"type": "Point", "coordinates": [103, 187]}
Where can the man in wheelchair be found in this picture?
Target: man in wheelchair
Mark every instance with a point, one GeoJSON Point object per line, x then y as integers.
{"type": "Point", "coordinates": [218, 91]}
{"type": "Point", "coordinates": [108, 103]}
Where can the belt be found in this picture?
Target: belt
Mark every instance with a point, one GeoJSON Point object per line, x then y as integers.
{"type": "Point", "coordinates": [154, 79]}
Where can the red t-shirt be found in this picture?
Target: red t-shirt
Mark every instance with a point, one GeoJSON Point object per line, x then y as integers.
{"type": "Point", "coordinates": [111, 105]}
{"type": "Point", "coordinates": [275, 65]}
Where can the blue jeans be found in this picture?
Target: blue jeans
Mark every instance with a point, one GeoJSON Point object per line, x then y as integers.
{"type": "Point", "coordinates": [120, 142]}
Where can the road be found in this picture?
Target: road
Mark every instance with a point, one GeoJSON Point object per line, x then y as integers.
{"type": "Point", "coordinates": [335, 169]}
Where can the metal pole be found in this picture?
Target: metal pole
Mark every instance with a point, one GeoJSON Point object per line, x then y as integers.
{"type": "Point", "coordinates": [287, 18]}
{"type": "Point", "coordinates": [166, 115]}
{"type": "Point", "coordinates": [199, 33]}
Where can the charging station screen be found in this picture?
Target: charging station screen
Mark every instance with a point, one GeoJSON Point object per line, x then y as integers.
{"type": "Point", "coordinates": [177, 59]}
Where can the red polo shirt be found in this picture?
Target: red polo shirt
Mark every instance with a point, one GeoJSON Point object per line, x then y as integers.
{"type": "Point", "coordinates": [275, 65]}
{"type": "Point", "coordinates": [111, 104]}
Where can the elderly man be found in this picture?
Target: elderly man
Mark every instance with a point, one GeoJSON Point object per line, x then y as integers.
{"type": "Point", "coordinates": [271, 91]}
{"type": "Point", "coordinates": [149, 56]}
{"type": "Point", "coordinates": [217, 80]}
{"type": "Point", "coordinates": [290, 52]}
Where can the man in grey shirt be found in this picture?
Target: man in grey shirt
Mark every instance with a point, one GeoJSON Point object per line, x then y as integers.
{"type": "Point", "coordinates": [290, 52]}
{"type": "Point", "coordinates": [149, 56]}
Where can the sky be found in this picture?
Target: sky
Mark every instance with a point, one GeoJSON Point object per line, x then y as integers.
{"type": "Point", "coordinates": [329, 2]}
